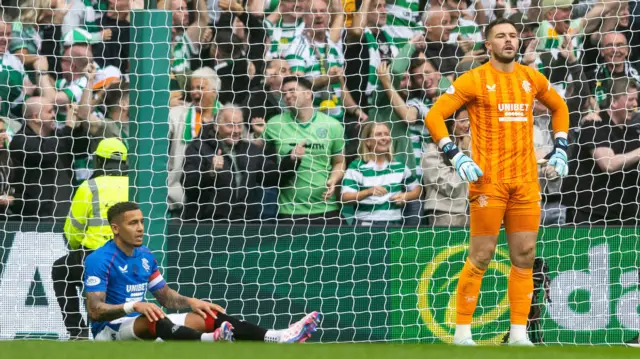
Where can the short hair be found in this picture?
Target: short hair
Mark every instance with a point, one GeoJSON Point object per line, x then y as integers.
{"type": "Point", "coordinates": [497, 22]}
{"type": "Point", "coordinates": [299, 80]}
{"type": "Point", "coordinates": [209, 75]}
{"type": "Point", "coordinates": [226, 107]}
{"type": "Point", "coordinates": [612, 34]}
{"type": "Point", "coordinates": [114, 95]}
{"type": "Point", "coordinates": [33, 106]}
{"type": "Point", "coordinates": [620, 86]}
{"type": "Point", "coordinates": [114, 212]}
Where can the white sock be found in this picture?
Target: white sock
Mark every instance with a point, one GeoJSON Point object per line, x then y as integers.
{"type": "Point", "coordinates": [518, 332]}
{"type": "Point", "coordinates": [207, 337]}
{"type": "Point", "coordinates": [463, 331]}
{"type": "Point", "coordinates": [273, 336]}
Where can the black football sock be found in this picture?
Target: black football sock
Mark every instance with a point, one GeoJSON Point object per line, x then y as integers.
{"type": "Point", "coordinates": [166, 330]}
{"type": "Point", "coordinates": [241, 330]}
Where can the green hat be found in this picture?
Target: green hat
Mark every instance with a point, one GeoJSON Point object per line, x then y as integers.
{"type": "Point", "coordinates": [112, 149]}
{"type": "Point", "coordinates": [77, 36]}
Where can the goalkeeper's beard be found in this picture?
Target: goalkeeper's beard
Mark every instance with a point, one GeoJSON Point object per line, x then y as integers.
{"type": "Point", "coordinates": [504, 59]}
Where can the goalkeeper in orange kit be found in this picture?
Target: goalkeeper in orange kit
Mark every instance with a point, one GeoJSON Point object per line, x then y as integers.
{"type": "Point", "coordinates": [499, 97]}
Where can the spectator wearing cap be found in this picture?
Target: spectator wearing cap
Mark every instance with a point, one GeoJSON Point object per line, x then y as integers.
{"type": "Point", "coordinates": [316, 142]}
{"type": "Point", "coordinates": [606, 169]}
{"type": "Point", "coordinates": [186, 123]}
{"type": "Point", "coordinates": [79, 77]}
{"type": "Point", "coordinates": [87, 229]}
{"type": "Point", "coordinates": [42, 156]}
{"type": "Point", "coordinates": [84, 15]}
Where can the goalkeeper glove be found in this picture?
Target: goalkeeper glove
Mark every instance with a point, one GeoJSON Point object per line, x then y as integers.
{"type": "Point", "coordinates": [558, 159]}
{"type": "Point", "coordinates": [466, 168]}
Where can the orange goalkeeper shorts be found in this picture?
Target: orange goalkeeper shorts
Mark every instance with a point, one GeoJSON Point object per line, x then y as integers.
{"type": "Point", "coordinates": [518, 204]}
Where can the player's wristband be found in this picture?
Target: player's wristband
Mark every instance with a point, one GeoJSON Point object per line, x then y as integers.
{"type": "Point", "coordinates": [450, 149]}
{"type": "Point", "coordinates": [128, 307]}
{"type": "Point", "coordinates": [562, 144]}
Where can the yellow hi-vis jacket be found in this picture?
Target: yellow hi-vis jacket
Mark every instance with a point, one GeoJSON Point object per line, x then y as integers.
{"type": "Point", "coordinates": [87, 225]}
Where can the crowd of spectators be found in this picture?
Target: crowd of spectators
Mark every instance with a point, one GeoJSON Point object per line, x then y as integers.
{"type": "Point", "coordinates": [311, 111]}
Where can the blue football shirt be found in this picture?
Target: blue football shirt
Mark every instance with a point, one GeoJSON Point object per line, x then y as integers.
{"type": "Point", "coordinates": [123, 278]}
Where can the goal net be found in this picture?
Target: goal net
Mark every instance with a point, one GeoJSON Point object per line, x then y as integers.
{"type": "Point", "coordinates": [279, 153]}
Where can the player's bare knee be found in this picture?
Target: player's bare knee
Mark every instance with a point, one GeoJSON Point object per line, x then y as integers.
{"type": "Point", "coordinates": [481, 258]}
{"type": "Point", "coordinates": [523, 256]}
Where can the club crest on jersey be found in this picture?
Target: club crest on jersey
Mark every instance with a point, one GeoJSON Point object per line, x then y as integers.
{"type": "Point", "coordinates": [145, 265]}
{"type": "Point", "coordinates": [483, 201]}
{"type": "Point", "coordinates": [491, 88]}
{"type": "Point", "coordinates": [322, 132]}
{"type": "Point", "coordinates": [526, 86]}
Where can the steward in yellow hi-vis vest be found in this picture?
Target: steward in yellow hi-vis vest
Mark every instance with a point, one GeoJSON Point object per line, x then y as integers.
{"type": "Point", "coordinates": [87, 229]}
{"type": "Point", "coordinates": [87, 225]}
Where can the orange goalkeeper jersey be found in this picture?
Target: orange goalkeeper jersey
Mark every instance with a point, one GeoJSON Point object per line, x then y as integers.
{"type": "Point", "coordinates": [500, 113]}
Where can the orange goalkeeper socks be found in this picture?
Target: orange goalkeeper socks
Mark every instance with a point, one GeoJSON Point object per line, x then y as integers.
{"type": "Point", "coordinates": [467, 294]}
{"type": "Point", "coordinates": [520, 293]}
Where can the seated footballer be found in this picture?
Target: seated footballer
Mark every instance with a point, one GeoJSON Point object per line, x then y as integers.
{"type": "Point", "coordinates": [118, 275]}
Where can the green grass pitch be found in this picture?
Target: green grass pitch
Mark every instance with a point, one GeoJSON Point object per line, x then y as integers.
{"type": "Point", "coordinates": [149, 350]}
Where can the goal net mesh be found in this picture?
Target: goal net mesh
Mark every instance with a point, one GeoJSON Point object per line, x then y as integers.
{"type": "Point", "coordinates": [279, 153]}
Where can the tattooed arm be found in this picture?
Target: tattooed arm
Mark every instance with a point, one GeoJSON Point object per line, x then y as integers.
{"type": "Point", "coordinates": [171, 299]}
{"type": "Point", "coordinates": [99, 311]}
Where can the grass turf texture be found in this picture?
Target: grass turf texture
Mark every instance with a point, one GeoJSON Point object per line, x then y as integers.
{"type": "Point", "coordinates": [139, 350]}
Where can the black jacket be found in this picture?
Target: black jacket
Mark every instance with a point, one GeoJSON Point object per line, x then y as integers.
{"type": "Point", "coordinates": [260, 103]}
{"type": "Point", "coordinates": [42, 172]}
{"type": "Point", "coordinates": [224, 196]}
{"type": "Point", "coordinates": [445, 56]}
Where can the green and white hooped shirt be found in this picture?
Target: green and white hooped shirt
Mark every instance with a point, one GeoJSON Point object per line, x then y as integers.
{"type": "Point", "coordinates": [403, 20]}
{"type": "Point", "coordinates": [315, 59]}
{"type": "Point", "coordinates": [395, 177]}
{"type": "Point", "coordinates": [282, 36]}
